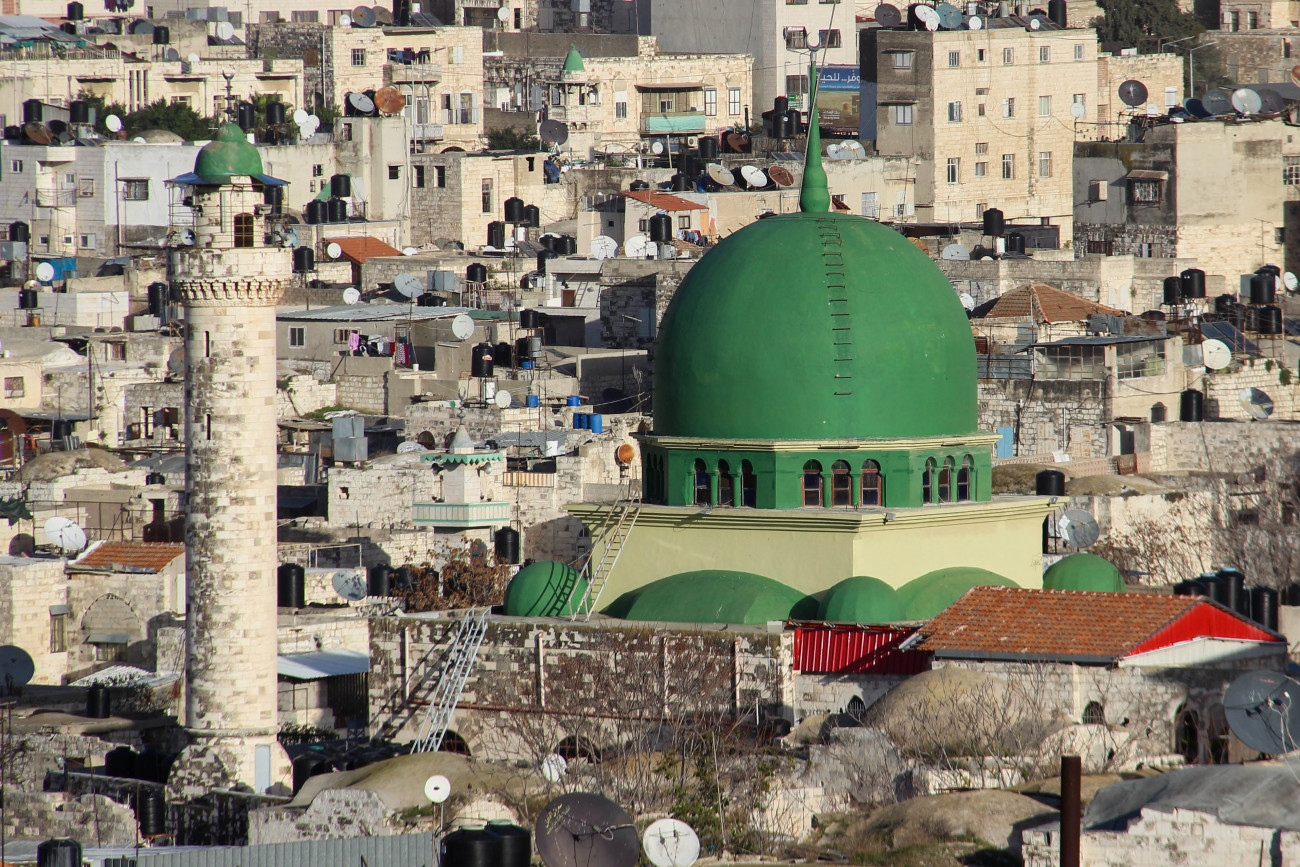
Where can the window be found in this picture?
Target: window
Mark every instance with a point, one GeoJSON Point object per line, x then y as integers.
{"type": "Point", "coordinates": [1009, 107]}
{"type": "Point", "coordinates": [1144, 192]}
{"type": "Point", "coordinates": [297, 336]}
{"type": "Point", "coordinates": [1171, 97]}
{"type": "Point", "coordinates": [16, 166]}
{"type": "Point", "coordinates": [710, 102]}
{"type": "Point", "coordinates": [903, 59]}
{"type": "Point", "coordinates": [733, 101]}
{"type": "Point", "coordinates": [487, 195]}
{"type": "Point", "coordinates": [726, 485]}
{"type": "Point", "coordinates": [1078, 51]}
{"type": "Point", "coordinates": [981, 148]}
{"type": "Point", "coordinates": [828, 1]}
{"type": "Point", "coordinates": [954, 170]}
{"type": "Point", "coordinates": [796, 84]}
{"type": "Point", "coordinates": [796, 2]}
{"type": "Point", "coordinates": [440, 176]}
{"type": "Point", "coordinates": [1286, 47]}
{"type": "Point", "coordinates": [841, 484]}
{"type": "Point", "coordinates": [1044, 106]}
{"type": "Point", "coordinates": [1008, 56]}
{"type": "Point", "coordinates": [1094, 714]}
{"type": "Point", "coordinates": [903, 115]}
{"type": "Point", "coordinates": [954, 112]}
{"type": "Point", "coordinates": [1044, 54]}
{"type": "Point", "coordinates": [927, 481]}
{"type": "Point", "coordinates": [703, 488]}
{"type": "Point", "coordinates": [965, 476]}
{"type": "Point", "coordinates": [980, 54]}
{"type": "Point", "coordinates": [829, 38]}
{"type": "Point", "coordinates": [305, 16]}
{"type": "Point", "coordinates": [684, 222]}
{"type": "Point", "coordinates": [1079, 99]}
{"type": "Point", "coordinates": [466, 114]}
{"type": "Point", "coordinates": [1044, 164]}
{"type": "Point", "coordinates": [643, 226]}
{"type": "Point", "coordinates": [135, 190]}
{"type": "Point", "coordinates": [1008, 166]}
{"type": "Point", "coordinates": [343, 335]}
{"type": "Point", "coordinates": [88, 242]}
{"type": "Point", "coordinates": [946, 473]}
{"type": "Point", "coordinates": [812, 484]}
{"type": "Point", "coordinates": [1136, 360]}
{"type": "Point", "coordinates": [620, 108]}
{"type": "Point", "coordinates": [981, 171]}
{"type": "Point", "coordinates": [1291, 171]}
{"type": "Point", "coordinates": [15, 386]}
{"type": "Point", "coordinates": [1234, 21]}
{"type": "Point", "coordinates": [873, 484]}
{"type": "Point", "coordinates": [86, 187]}
{"type": "Point", "coordinates": [871, 206]}
{"type": "Point", "coordinates": [795, 38]}
{"type": "Point", "coordinates": [417, 176]}
{"type": "Point", "coordinates": [748, 485]}
{"type": "Point", "coordinates": [113, 652]}
{"type": "Point", "coordinates": [1252, 20]}
{"type": "Point", "coordinates": [58, 633]}
{"type": "Point", "coordinates": [243, 230]}
{"type": "Point", "coordinates": [954, 59]}
{"type": "Point", "coordinates": [980, 110]}
{"type": "Point", "coordinates": [358, 57]}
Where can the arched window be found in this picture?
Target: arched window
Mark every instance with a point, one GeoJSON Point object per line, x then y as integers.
{"type": "Point", "coordinates": [748, 485]}
{"type": "Point", "coordinates": [965, 478]}
{"type": "Point", "coordinates": [873, 484]}
{"type": "Point", "coordinates": [841, 484]}
{"type": "Point", "coordinates": [927, 481]}
{"type": "Point", "coordinates": [726, 485]}
{"type": "Point", "coordinates": [812, 484]}
{"type": "Point", "coordinates": [703, 495]}
{"type": "Point", "coordinates": [1187, 742]}
{"type": "Point", "coordinates": [856, 708]}
{"type": "Point", "coordinates": [243, 230]}
{"type": "Point", "coordinates": [945, 480]}
{"type": "Point", "coordinates": [1094, 714]}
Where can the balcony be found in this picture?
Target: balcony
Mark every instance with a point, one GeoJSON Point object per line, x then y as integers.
{"type": "Point", "coordinates": [412, 73]}
{"type": "Point", "coordinates": [426, 132]}
{"type": "Point", "coordinates": [575, 113]}
{"type": "Point", "coordinates": [56, 197]}
{"type": "Point", "coordinates": [670, 122]}
{"type": "Point", "coordinates": [490, 514]}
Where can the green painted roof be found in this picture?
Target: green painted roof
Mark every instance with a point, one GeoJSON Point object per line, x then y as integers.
{"type": "Point", "coordinates": [544, 589]}
{"type": "Point", "coordinates": [228, 154]}
{"type": "Point", "coordinates": [573, 61]}
{"type": "Point", "coordinates": [861, 599]}
{"type": "Point", "coordinates": [1083, 571]}
{"type": "Point", "coordinates": [898, 362]}
{"type": "Point", "coordinates": [714, 596]}
{"type": "Point", "coordinates": [923, 598]}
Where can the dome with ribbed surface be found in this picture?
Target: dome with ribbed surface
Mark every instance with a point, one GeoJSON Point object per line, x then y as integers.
{"type": "Point", "coordinates": [228, 154]}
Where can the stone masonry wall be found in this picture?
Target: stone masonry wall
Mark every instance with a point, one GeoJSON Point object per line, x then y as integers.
{"type": "Point", "coordinates": [1224, 447]}
{"type": "Point", "coordinates": [1047, 415]}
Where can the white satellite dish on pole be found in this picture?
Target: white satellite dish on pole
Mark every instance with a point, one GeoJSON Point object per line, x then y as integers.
{"type": "Point", "coordinates": [437, 788]}
{"type": "Point", "coordinates": [333, 250]}
{"type": "Point", "coordinates": [351, 295]}
{"type": "Point", "coordinates": [65, 534]}
{"type": "Point", "coordinates": [409, 285]}
{"type": "Point", "coordinates": [113, 123]}
{"type": "Point", "coordinates": [1078, 528]}
{"type": "Point", "coordinates": [1215, 354]}
{"type": "Point", "coordinates": [604, 247]}
{"type": "Point", "coordinates": [670, 843]}
{"type": "Point", "coordinates": [502, 399]}
{"type": "Point", "coordinates": [462, 326]}
{"type": "Point", "coordinates": [44, 272]}
{"type": "Point", "coordinates": [554, 767]}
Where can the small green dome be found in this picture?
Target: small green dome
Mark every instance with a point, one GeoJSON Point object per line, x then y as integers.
{"type": "Point", "coordinates": [714, 596]}
{"type": "Point", "coordinates": [545, 589]}
{"type": "Point", "coordinates": [862, 336]}
{"type": "Point", "coordinates": [1083, 571]}
{"type": "Point", "coordinates": [861, 599]}
{"type": "Point", "coordinates": [228, 154]}
{"type": "Point", "coordinates": [923, 598]}
{"type": "Point", "coordinates": [573, 61]}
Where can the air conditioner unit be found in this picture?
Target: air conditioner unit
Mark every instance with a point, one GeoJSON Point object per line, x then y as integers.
{"type": "Point", "coordinates": [261, 209]}
{"type": "Point", "coordinates": [1097, 190]}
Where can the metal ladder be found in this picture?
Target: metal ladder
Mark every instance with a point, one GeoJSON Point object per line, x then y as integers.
{"type": "Point", "coordinates": [615, 529]}
{"type": "Point", "coordinates": [455, 671]}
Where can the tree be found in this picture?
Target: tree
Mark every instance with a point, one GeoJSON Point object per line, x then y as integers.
{"type": "Point", "coordinates": [512, 140]}
{"type": "Point", "coordinates": [467, 576]}
{"type": "Point", "coordinates": [176, 117]}
{"type": "Point", "coordinates": [1145, 23]}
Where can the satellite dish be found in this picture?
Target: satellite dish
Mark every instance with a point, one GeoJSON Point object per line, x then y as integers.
{"type": "Point", "coordinates": [188, 238]}
{"type": "Point", "coordinates": [949, 16]}
{"type": "Point", "coordinates": [409, 251]}
{"type": "Point", "coordinates": [22, 545]}
{"type": "Point", "coordinates": [1152, 110]}
{"type": "Point", "coordinates": [351, 295]}
{"type": "Point", "coordinates": [1078, 528]}
{"type": "Point", "coordinates": [975, 23]}
{"type": "Point", "coordinates": [604, 247]}
{"type": "Point", "coordinates": [585, 830]}
{"type": "Point", "coordinates": [855, 147]}
{"type": "Point", "coordinates": [721, 175]}
{"type": "Point", "coordinates": [1256, 402]}
{"type": "Point", "coordinates": [16, 665]}
{"type": "Point", "coordinates": [113, 123]}
{"type": "Point", "coordinates": [389, 100]}
{"type": "Point", "coordinates": [300, 117]}
{"type": "Point", "coordinates": [350, 584]}
{"type": "Point", "coordinates": [670, 843]}
{"type": "Point", "coordinates": [780, 176]}
{"type": "Point", "coordinates": [967, 301]}
{"type": "Point", "coordinates": [1246, 101]}
{"type": "Point", "coordinates": [502, 399]}
{"type": "Point", "coordinates": [635, 247]}
{"type": "Point", "coordinates": [554, 767]}
{"type": "Point", "coordinates": [1290, 281]}
{"type": "Point", "coordinates": [753, 176]}
{"type": "Point", "coordinates": [361, 103]}
{"type": "Point", "coordinates": [656, 147]}
{"type": "Point", "coordinates": [44, 272]}
{"type": "Point", "coordinates": [410, 447]}
{"type": "Point", "coordinates": [888, 16]}
{"type": "Point", "coordinates": [409, 285]}
{"type": "Point", "coordinates": [345, 20]}
{"type": "Point", "coordinates": [363, 16]}
{"type": "Point", "coordinates": [1295, 75]}
{"type": "Point", "coordinates": [225, 30]}
{"type": "Point", "coordinates": [1133, 93]}
{"type": "Point", "coordinates": [1272, 101]}
{"type": "Point", "coordinates": [1077, 110]}
{"type": "Point", "coordinates": [176, 362]}
{"type": "Point", "coordinates": [1195, 107]}
{"type": "Point", "coordinates": [172, 55]}
{"type": "Point", "coordinates": [65, 534]}
{"type": "Point", "coordinates": [837, 152]}
{"type": "Point", "coordinates": [142, 140]}
{"type": "Point", "coordinates": [955, 253]}
{"type": "Point", "coordinates": [462, 326]}
{"type": "Point", "coordinates": [437, 788]}
{"type": "Point", "coordinates": [1035, 23]}
{"type": "Point", "coordinates": [1216, 102]}
{"type": "Point", "coordinates": [553, 132]}
{"type": "Point", "coordinates": [928, 17]}
{"type": "Point", "coordinates": [503, 14]}
{"type": "Point", "coordinates": [333, 250]}
{"type": "Point", "coordinates": [193, 58]}
{"type": "Point", "coordinates": [1215, 354]}
{"type": "Point", "coordinates": [1263, 711]}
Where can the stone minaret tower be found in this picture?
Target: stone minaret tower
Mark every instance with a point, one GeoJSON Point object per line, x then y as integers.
{"type": "Point", "coordinates": [229, 284]}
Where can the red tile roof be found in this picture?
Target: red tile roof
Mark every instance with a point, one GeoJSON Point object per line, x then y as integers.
{"type": "Point", "coordinates": [130, 556]}
{"type": "Point", "coordinates": [1001, 622]}
{"type": "Point", "coordinates": [664, 201]}
{"type": "Point", "coordinates": [1044, 303]}
{"type": "Point", "coordinates": [358, 250]}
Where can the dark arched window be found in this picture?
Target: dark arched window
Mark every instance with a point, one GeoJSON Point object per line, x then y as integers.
{"type": "Point", "coordinates": [726, 485]}
{"type": "Point", "coordinates": [703, 496]}
{"type": "Point", "coordinates": [945, 480]}
{"type": "Point", "coordinates": [812, 484]}
{"type": "Point", "coordinates": [841, 484]}
{"type": "Point", "coordinates": [965, 478]}
{"type": "Point", "coordinates": [927, 481]}
{"type": "Point", "coordinates": [1187, 741]}
{"type": "Point", "coordinates": [243, 230]}
{"type": "Point", "coordinates": [748, 485]}
{"type": "Point", "coordinates": [1094, 714]}
{"type": "Point", "coordinates": [873, 484]}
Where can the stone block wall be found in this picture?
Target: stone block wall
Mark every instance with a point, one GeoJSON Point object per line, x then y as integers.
{"type": "Point", "coordinates": [299, 395]}
{"type": "Point", "coordinates": [1223, 389]}
{"type": "Point", "coordinates": [91, 819]}
{"type": "Point", "coordinates": [1222, 447]}
{"type": "Point", "coordinates": [1047, 415]}
{"type": "Point", "coordinates": [30, 587]}
{"type": "Point", "coordinates": [831, 693]}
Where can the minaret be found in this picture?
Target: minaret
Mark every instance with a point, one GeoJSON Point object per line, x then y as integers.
{"type": "Point", "coordinates": [229, 284]}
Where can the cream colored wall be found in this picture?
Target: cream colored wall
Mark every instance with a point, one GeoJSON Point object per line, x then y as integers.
{"type": "Point", "coordinates": [510, 176]}
{"type": "Point", "coordinates": [1158, 72]}
{"type": "Point", "coordinates": [1272, 13]}
{"type": "Point", "coordinates": [30, 372]}
{"type": "Point", "coordinates": [1133, 398]}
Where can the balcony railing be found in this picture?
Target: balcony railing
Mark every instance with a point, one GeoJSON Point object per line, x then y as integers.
{"type": "Point", "coordinates": [490, 514]}
{"type": "Point", "coordinates": [690, 121]}
{"type": "Point", "coordinates": [56, 197]}
{"type": "Point", "coordinates": [426, 131]}
{"type": "Point", "coordinates": [412, 73]}
{"type": "Point", "coordinates": [522, 479]}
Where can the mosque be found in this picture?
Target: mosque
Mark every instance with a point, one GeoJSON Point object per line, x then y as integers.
{"type": "Point", "coordinates": [815, 452]}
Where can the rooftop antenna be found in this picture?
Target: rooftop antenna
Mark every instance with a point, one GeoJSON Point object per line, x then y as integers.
{"type": "Point", "coordinates": [229, 76]}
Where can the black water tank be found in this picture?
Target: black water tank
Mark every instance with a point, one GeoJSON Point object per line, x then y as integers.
{"type": "Point", "coordinates": [305, 767]}
{"type": "Point", "coordinates": [1173, 291]}
{"type": "Point", "coordinates": [661, 228]}
{"type": "Point", "coordinates": [636, 186]}
{"type": "Point", "coordinates": [151, 813]}
{"type": "Point", "coordinates": [496, 234]}
{"type": "Point", "coordinates": [1263, 289]}
{"type": "Point", "coordinates": [1198, 587]}
{"type": "Point", "coordinates": [532, 216]}
{"type": "Point", "coordinates": [480, 361]}
{"type": "Point", "coordinates": [340, 185]}
{"type": "Point", "coordinates": [304, 260]}
{"type": "Point", "coordinates": [686, 164]}
{"type": "Point", "coordinates": [76, 11]}
{"type": "Point", "coordinates": [377, 582]}
{"type": "Point", "coordinates": [780, 124]}
{"type": "Point", "coordinates": [781, 105]}
{"type": "Point", "coordinates": [401, 577]}
{"type": "Point", "coordinates": [314, 212]}
{"type": "Point", "coordinates": [516, 842]}
{"type": "Point", "coordinates": [402, 13]}
{"type": "Point", "coordinates": [33, 111]}
{"type": "Point", "coordinates": [471, 846]}
{"type": "Point", "coordinates": [99, 705]}
{"type": "Point", "coordinates": [275, 113]}
{"type": "Point", "coordinates": [428, 299]}
{"type": "Point", "coordinates": [1219, 590]}
{"type": "Point", "coordinates": [245, 114]}
{"type": "Point", "coordinates": [59, 852]}
{"type": "Point", "coordinates": [1263, 607]}
{"type": "Point", "coordinates": [708, 147]}
{"type": "Point", "coordinates": [994, 223]}
{"type": "Point", "coordinates": [1193, 283]}
{"type": "Point", "coordinates": [20, 231]}
{"type": "Point", "coordinates": [13, 133]}
{"type": "Point", "coordinates": [1268, 319]}
{"type": "Point", "coordinates": [1222, 303]}
{"type": "Point", "coordinates": [79, 111]}
{"type": "Point", "coordinates": [680, 183]}
{"type": "Point", "coordinates": [514, 210]}
{"type": "Point", "coordinates": [1235, 581]}
{"type": "Point", "coordinates": [567, 245]}
{"type": "Point", "coordinates": [154, 765]}
{"type": "Point", "coordinates": [794, 122]}
{"type": "Point", "coordinates": [336, 210]}
{"type": "Point", "coordinates": [157, 298]}
{"type": "Point", "coordinates": [503, 355]}
{"type": "Point", "coordinates": [476, 272]}
{"type": "Point", "coordinates": [1183, 588]}
{"type": "Point", "coordinates": [120, 762]}
{"type": "Point", "coordinates": [291, 586]}
{"type": "Point", "coordinates": [155, 478]}
{"type": "Point", "coordinates": [521, 350]}
{"type": "Point", "coordinates": [1159, 413]}
{"type": "Point", "coordinates": [542, 256]}
{"type": "Point", "coordinates": [1291, 595]}
{"type": "Point", "coordinates": [506, 545]}
{"type": "Point", "coordinates": [28, 299]}
{"type": "Point", "coordinates": [274, 196]}
{"type": "Point", "coordinates": [1191, 406]}
{"type": "Point", "coordinates": [1049, 483]}
{"type": "Point", "coordinates": [1015, 243]}
{"type": "Point", "coordinates": [162, 35]}
{"type": "Point", "coordinates": [1056, 13]}
{"type": "Point", "coordinates": [529, 319]}
{"type": "Point", "coordinates": [61, 428]}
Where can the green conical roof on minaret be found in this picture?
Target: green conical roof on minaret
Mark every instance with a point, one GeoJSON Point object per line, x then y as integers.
{"type": "Point", "coordinates": [228, 154]}
{"type": "Point", "coordinates": [573, 62]}
{"type": "Point", "coordinates": [814, 196]}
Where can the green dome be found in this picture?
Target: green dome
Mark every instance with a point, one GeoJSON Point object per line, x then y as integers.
{"type": "Point", "coordinates": [714, 596]}
{"type": "Point", "coordinates": [894, 358]}
{"type": "Point", "coordinates": [861, 599]}
{"type": "Point", "coordinates": [228, 154]}
{"type": "Point", "coordinates": [545, 589]}
{"type": "Point", "coordinates": [573, 60]}
{"type": "Point", "coordinates": [923, 598]}
{"type": "Point", "coordinates": [1083, 572]}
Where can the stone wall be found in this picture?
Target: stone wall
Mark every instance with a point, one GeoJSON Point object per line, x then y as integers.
{"type": "Point", "coordinates": [1224, 447]}
{"type": "Point", "coordinates": [30, 587]}
{"type": "Point", "coordinates": [299, 395]}
{"type": "Point", "coordinates": [632, 302]}
{"type": "Point", "coordinates": [1223, 388]}
{"type": "Point", "coordinates": [1047, 416]}
{"type": "Point", "coordinates": [831, 693]}
{"type": "Point", "coordinates": [91, 819]}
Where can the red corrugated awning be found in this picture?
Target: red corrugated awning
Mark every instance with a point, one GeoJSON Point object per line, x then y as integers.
{"type": "Point", "coordinates": [358, 250]}
{"type": "Point", "coordinates": [856, 649]}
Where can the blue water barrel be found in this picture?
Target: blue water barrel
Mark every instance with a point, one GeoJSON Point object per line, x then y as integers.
{"type": "Point", "coordinates": [573, 400]}
{"type": "Point", "coordinates": [596, 422]}
{"type": "Point", "coordinates": [580, 421]}
{"type": "Point", "coordinates": [531, 400]}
